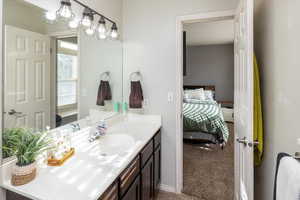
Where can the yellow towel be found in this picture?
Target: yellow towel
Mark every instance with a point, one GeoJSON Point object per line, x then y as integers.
{"type": "Point", "coordinates": [258, 120]}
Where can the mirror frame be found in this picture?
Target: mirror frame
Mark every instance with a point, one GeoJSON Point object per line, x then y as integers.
{"type": "Point", "coordinates": [1, 79]}
{"type": "Point", "coordinates": [2, 191]}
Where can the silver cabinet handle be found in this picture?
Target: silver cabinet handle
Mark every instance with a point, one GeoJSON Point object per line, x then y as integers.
{"type": "Point", "coordinates": [243, 141]}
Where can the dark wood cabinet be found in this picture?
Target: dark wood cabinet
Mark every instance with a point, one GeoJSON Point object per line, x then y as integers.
{"type": "Point", "coordinates": [147, 180]}
{"type": "Point", "coordinates": [129, 175]}
{"type": "Point", "coordinates": [134, 192]}
{"type": "Point", "coordinates": [111, 193]}
{"type": "Point", "coordinates": [14, 196]}
{"type": "Point", "coordinates": [157, 170]}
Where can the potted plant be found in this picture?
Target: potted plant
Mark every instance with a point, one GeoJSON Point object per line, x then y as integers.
{"type": "Point", "coordinates": [28, 145]}
{"type": "Point", "coordinates": [9, 140]}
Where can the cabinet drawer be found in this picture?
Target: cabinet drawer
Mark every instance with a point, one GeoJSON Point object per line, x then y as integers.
{"type": "Point", "coordinates": [157, 139]}
{"type": "Point", "coordinates": [134, 192]}
{"type": "Point", "coordinates": [128, 176]}
{"type": "Point", "coordinates": [111, 193]}
{"type": "Point", "coordinates": [146, 152]}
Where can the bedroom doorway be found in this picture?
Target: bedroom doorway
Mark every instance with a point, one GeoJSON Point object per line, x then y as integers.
{"type": "Point", "coordinates": [242, 141]}
{"type": "Point", "coordinates": [208, 124]}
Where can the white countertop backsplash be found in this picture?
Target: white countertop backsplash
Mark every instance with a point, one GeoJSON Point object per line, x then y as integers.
{"type": "Point", "coordinates": [94, 166]}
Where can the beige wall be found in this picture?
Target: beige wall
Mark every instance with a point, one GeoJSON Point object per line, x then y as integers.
{"type": "Point", "coordinates": [277, 47]}
{"type": "Point", "coordinates": [149, 32]}
{"type": "Point", "coordinates": [16, 14]}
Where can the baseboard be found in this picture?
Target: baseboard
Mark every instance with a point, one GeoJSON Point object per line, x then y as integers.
{"type": "Point", "coordinates": [167, 188]}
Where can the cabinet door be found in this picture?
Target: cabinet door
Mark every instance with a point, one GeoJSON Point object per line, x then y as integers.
{"type": "Point", "coordinates": [134, 192]}
{"type": "Point", "coordinates": [14, 196]}
{"type": "Point", "coordinates": [157, 169]}
{"type": "Point", "coordinates": [147, 180]}
{"type": "Point", "coordinates": [111, 193]}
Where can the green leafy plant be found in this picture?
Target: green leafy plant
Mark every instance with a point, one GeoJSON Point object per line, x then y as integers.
{"type": "Point", "coordinates": [9, 140]}
{"type": "Point", "coordinates": [27, 145]}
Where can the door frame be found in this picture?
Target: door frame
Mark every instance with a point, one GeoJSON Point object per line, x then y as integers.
{"type": "Point", "coordinates": [53, 60]}
{"type": "Point", "coordinates": [180, 20]}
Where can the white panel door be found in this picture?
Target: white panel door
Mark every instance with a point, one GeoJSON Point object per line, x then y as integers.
{"type": "Point", "coordinates": [244, 169]}
{"type": "Point", "coordinates": [27, 79]}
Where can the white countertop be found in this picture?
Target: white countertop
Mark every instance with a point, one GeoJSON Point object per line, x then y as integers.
{"type": "Point", "coordinates": [94, 167]}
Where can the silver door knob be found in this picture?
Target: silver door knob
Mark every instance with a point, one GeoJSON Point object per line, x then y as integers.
{"type": "Point", "coordinates": [252, 144]}
{"type": "Point", "coordinates": [14, 112]}
{"type": "Point", "coordinates": [243, 141]}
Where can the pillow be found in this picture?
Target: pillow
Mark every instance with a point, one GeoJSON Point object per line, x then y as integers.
{"type": "Point", "coordinates": [209, 95]}
{"type": "Point", "coordinates": [194, 94]}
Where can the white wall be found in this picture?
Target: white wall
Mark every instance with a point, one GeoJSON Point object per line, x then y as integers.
{"type": "Point", "coordinates": [149, 32]}
{"type": "Point", "coordinates": [97, 57]}
{"type": "Point", "coordinates": [277, 30]}
{"type": "Point", "coordinates": [212, 65]}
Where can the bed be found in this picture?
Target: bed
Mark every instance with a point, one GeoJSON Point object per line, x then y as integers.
{"type": "Point", "coordinates": [203, 119]}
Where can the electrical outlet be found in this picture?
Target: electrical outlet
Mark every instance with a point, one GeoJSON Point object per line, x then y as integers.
{"type": "Point", "coordinates": [170, 96]}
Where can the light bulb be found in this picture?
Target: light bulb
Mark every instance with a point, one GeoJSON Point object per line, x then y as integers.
{"type": "Point", "coordinates": [86, 21]}
{"type": "Point", "coordinates": [90, 31]}
{"type": "Point", "coordinates": [51, 16]}
{"type": "Point", "coordinates": [102, 25]}
{"type": "Point", "coordinates": [102, 36]}
{"type": "Point", "coordinates": [87, 18]}
{"type": "Point", "coordinates": [114, 32]}
{"type": "Point", "coordinates": [102, 28]}
{"type": "Point", "coordinates": [74, 23]}
{"type": "Point", "coordinates": [65, 10]}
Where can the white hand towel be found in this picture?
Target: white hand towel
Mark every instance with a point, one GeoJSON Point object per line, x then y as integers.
{"type": "Point", "coordinates": [288, 179]}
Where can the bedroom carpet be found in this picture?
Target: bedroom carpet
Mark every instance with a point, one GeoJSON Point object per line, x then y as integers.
{"type": "Point", "coordinates": [209, 170]}
{"type": "Point", "coordinates": [172, 196]}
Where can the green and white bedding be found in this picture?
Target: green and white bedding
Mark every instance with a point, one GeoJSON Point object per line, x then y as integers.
{"type": "Point", "coordinates": [205, 116]}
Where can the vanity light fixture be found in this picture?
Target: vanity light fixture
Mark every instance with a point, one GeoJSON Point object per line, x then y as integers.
{"type": "Point", "coordinates": [65, 10]}
{"type": "Point", "coordinates": [114, 31]}
{"type": "Point", "coordinates": [102, 25]}
{"type": "Point", "coordinates": [87, 18]}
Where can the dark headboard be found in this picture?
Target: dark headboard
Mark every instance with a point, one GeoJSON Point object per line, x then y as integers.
{"type": "Point", "coordinates": [205, 87]}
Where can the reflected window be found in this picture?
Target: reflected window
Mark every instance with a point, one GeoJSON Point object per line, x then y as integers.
{"type": "Point", "coordinates": [67, 79]}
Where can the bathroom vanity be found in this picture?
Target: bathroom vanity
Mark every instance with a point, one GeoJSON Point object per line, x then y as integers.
{"type": "Point", "coordinates": [125, 164]}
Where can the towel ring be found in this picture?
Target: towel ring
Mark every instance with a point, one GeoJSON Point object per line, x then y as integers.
{"type": "Point", "coordinates": [135, 76]}
{"type": "Point", "coordinates": [105, 76]}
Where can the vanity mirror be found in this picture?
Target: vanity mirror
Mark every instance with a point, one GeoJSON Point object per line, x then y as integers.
{"type": "Point", "coordinates": [55, 75]}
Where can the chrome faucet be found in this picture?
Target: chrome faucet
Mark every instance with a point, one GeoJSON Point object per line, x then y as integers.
{"type": "Point", "coordinates": [97, 132]}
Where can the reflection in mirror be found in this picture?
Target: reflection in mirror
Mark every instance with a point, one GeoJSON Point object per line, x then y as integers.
{"type": "Point", "coordinates": [55, 76]}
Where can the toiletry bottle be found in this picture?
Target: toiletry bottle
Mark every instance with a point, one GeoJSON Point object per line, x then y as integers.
{"type": "Point", "coordinates": [124, 108]}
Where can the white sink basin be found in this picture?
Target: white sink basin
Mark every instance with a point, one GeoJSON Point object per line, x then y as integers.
{"type": "Point", "coordinates": [115, 144]}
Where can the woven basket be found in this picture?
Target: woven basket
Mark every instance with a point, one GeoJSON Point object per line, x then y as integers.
{"type": "Point", "coordinates": [23, 175]}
